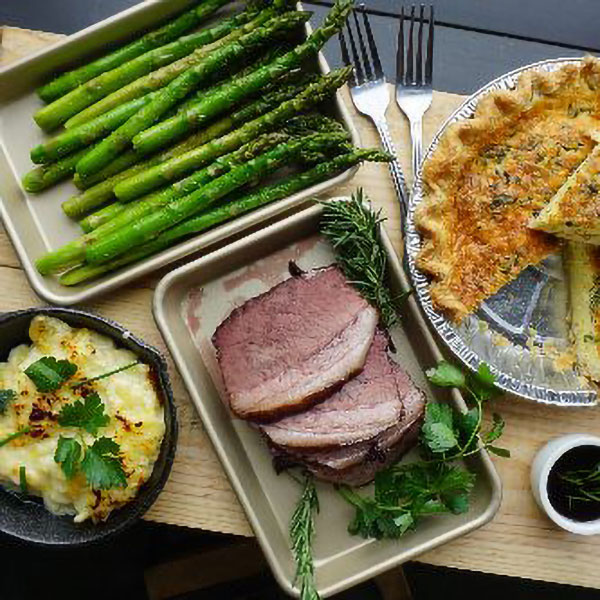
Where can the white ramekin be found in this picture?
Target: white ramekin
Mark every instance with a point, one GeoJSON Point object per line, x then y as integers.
{"type": "Point", "coordinates": [540, 469]}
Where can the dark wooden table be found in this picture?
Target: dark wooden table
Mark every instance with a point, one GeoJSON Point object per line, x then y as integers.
{"type": "Point", "coordinates": [476, 41]}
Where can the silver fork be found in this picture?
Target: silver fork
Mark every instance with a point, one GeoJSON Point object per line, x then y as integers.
{"type": "Point", "coordinates": [413, 82]}
{"type": "Point", "coordinates": [370, 93]}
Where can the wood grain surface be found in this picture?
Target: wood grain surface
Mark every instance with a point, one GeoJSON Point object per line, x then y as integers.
{"type": "Point", "coordinates": [520, 541]}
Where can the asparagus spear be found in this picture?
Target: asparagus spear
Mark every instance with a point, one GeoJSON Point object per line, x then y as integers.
{"type": "Point", "coordinates": [105, 214]}
{"type": "Point", "coordinates": [180, 209]}
{"type": "Point", "coordinates": [170, 31]}
{"type": "Point", "coordinates": [46, 176]}
{"type": "Point", "coordinates": [74, 252]}
{"type": "Point", "coordinates": [158, 79]}
{"type": "Point", "coordinates": [177, 167]}
{"type": "Point", "coordinates": [239, 87]}
{"type": "Point", "coordinates": [82, 136]}
{"type": "Point", "coordinates": [232, 209]}
{"type": "Point", "coordinates": [180, 87]}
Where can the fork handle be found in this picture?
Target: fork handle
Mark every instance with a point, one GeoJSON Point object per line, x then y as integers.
{"type": "Point", "coordinates": [416, 135]}
{"type": "Point", "coordinates": [394, 165]}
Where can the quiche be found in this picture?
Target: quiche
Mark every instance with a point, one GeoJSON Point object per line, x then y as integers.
{"type": "Point", "coordinates": [583, 268]}
{"type": "Point", "coordinates": [574, 213]}
{"type": "Point", "coordinates": [490, 174]}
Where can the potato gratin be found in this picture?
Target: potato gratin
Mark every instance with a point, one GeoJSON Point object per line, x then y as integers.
{"type": "Point", "coordinates": [92, 456]}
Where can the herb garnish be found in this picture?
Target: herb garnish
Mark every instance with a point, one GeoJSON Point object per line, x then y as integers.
{"type": "Point", "coordinates": [406, 492]}
{"type": "Point", "coordinates": [104, 375]}
{"type": "Point", "coordinates": [352, 228]}
{"type": "Point", "coordinates": [101, 465]}
{"type": "Point", "coordinates": [12, 436]}
{"type": "Point", "coordinates": [23, 479]}
{"type": "Point", "coordinates": [68, 454]}
{"type": "Point", "coordinates": [48, 374]}
{"type": "Point", "coordinates": [6, 396]}
{"type": "Point", "coordinates": [585, 484]}
{"type": "Point", "coordinates": [88, 415]}
{"type": "Point", "coordinates": [302, 528]}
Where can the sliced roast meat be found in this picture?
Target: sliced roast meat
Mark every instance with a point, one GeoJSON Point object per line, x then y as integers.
{"type": "Point", "coordinates": [292, 346]}
{"type": "Point", "coordinates": [362, 409]}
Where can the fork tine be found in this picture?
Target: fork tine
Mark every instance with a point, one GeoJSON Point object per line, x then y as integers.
{"type": "Point", "coordinates": [400, 49]}
{"type": "Point", "coordinates": [372, 45]}
{"type": "Point", "coordinates": [429, 62]}
{"type": "Point", "coordinates": [419, 73]}
{"type": "Point", "coordinates": [409, 53]}
{"type": "Point", "coordinates": [346, 57]}
{"type": "Point", "coordinates": [358, 70]}
{"type": "Point", "coordinates": [363, 49]}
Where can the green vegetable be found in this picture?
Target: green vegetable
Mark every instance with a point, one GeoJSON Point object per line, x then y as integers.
{"type": "Point", "coordinates": [41, 178]}
{"type": "Point", "coordinates": [230, 210]}
{"type": "Point", "coordinates": [353, 230]}
{"type": "Point", "coordinates": [240, 87]}
{"type": "Point", "coordinates": [171, 170]}
{"type": "Point", "coordinates": [151, 225]}
{"type": "Point", "coordinates": [406, 492]}
{"type": "Point", "coordinates": [181, 86]}
{"type": "Point", "coordinates": [71, 140]}
{"type": "Point", "coordinates": [302, 530]}
{"type": "Point", "coordinates": [74, 252]}
{"type": "Point", "coordinates": [104, 375]}
{"type": "Point", "coordinates": [68, 456]}
{"type": "Point", "coordinates": [101, 465]}
{"type": "Point", "coordinates": [23, 479]}
{"type": "Point", "coordinates": [101, 216]}
{"type": "Point", "coordinates": [6, 396]}
{"type": "Point", "coordinates": [9, 438]}
{"type": "Point", "coordinates": [88, 415]}
{"type": "Point", "coordinates": [171, 31]}
{"type": "Point", "coordinates": [48, 374]}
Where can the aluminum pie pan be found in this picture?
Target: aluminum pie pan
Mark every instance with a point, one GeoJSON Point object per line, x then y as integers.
{"type": "Point", "coordinates": [520, 367]}
{"type": "Point", "coordinates": [36, 224]}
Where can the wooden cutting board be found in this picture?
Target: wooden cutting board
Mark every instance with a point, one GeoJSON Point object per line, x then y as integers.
{"type": "Point", "coordinates": [520, 541]}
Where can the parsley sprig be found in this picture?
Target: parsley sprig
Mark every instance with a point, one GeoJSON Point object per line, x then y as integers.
{"type": "Point", "coordinates": [48, 374]}
{"type": "Point", "coordinates": [302, 529]}
{"type": "Point", "coordinates": [88, 415]}
{"type": "Point", "coordinates": [6, 396]}
{"type": "Point", "coordinates": [406, 492]}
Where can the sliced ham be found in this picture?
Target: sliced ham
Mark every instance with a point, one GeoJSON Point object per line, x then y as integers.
{"type": "Point", "coordinates": [291, 347]}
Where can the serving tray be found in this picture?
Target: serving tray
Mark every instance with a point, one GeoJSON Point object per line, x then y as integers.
{"type": "Point", "coordinates": [191, 301]}
{"type": "Point", "coordinates": [521, 330]}
{"type": "Point", "coordinates": [35, 222]}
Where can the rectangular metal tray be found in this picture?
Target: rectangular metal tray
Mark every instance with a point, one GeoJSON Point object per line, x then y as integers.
{"type": "Point", "coordinates": [35, 222]}
{"type": "Point", "coordinates": [225, 279]}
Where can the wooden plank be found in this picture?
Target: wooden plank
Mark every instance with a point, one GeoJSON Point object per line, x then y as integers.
{"type": "Point", "coordinates": [463, 60]}
{"type": "Point", "coordinates": [520, 541]}
{"type": "Point", "coordinates": [575, 23]}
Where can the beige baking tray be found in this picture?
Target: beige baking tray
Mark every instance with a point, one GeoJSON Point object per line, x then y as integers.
{"type": "Point", "coordinates": [36, 223]}
{"type": "Point", "coordinates": [189, 304]}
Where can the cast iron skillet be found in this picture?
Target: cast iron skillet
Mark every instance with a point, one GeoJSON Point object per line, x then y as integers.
{"type": "Point", "coordinates": [28, 519]}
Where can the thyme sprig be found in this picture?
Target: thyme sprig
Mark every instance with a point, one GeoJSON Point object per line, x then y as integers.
{"type": "Point", "coordinates": [352, 228]}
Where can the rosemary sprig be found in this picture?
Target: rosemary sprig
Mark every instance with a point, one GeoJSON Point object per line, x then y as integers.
{"type": "Point", "coordinates": [353, 230]}
{"type": "Point", "coordinates": [302, 529]}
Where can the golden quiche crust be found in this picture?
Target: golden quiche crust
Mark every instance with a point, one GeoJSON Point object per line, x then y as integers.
{"type": "Point", "coordinates": [492, 173]}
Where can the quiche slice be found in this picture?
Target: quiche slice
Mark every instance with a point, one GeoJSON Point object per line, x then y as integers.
{"type": "Point", "coordinates": [574, 213]}
{"type": "Point", "coordinates": [492, 173]}
{"type": "Point", "coordinates": [583, 268]}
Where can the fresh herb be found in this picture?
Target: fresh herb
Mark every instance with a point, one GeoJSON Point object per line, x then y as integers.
{"type": "Point", "coordinates": [404, 493]}
{"type": "Point", "coordinates": [353, 229]}
{"type": "Point", "coordinates": [88, 415]}
{"type": "Point", "coordinates": [101, 465]}
{"type": "Point", "coordinates": [104, 375]}
{"type": "Point", "coordinates": [23, 479]}
{"type": "Point", "coordinates": [6, 396]}
{"type": "Point", "coordinates": [9, 438]}
{"type": "Point", "coordinates": [302, 529]}
{"type": "Point", "coordinates": [48, 374]}
{"type": "Point", "coordinates": [585, 484]}
{"type": "Point", "coordinates": [68, 455]}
